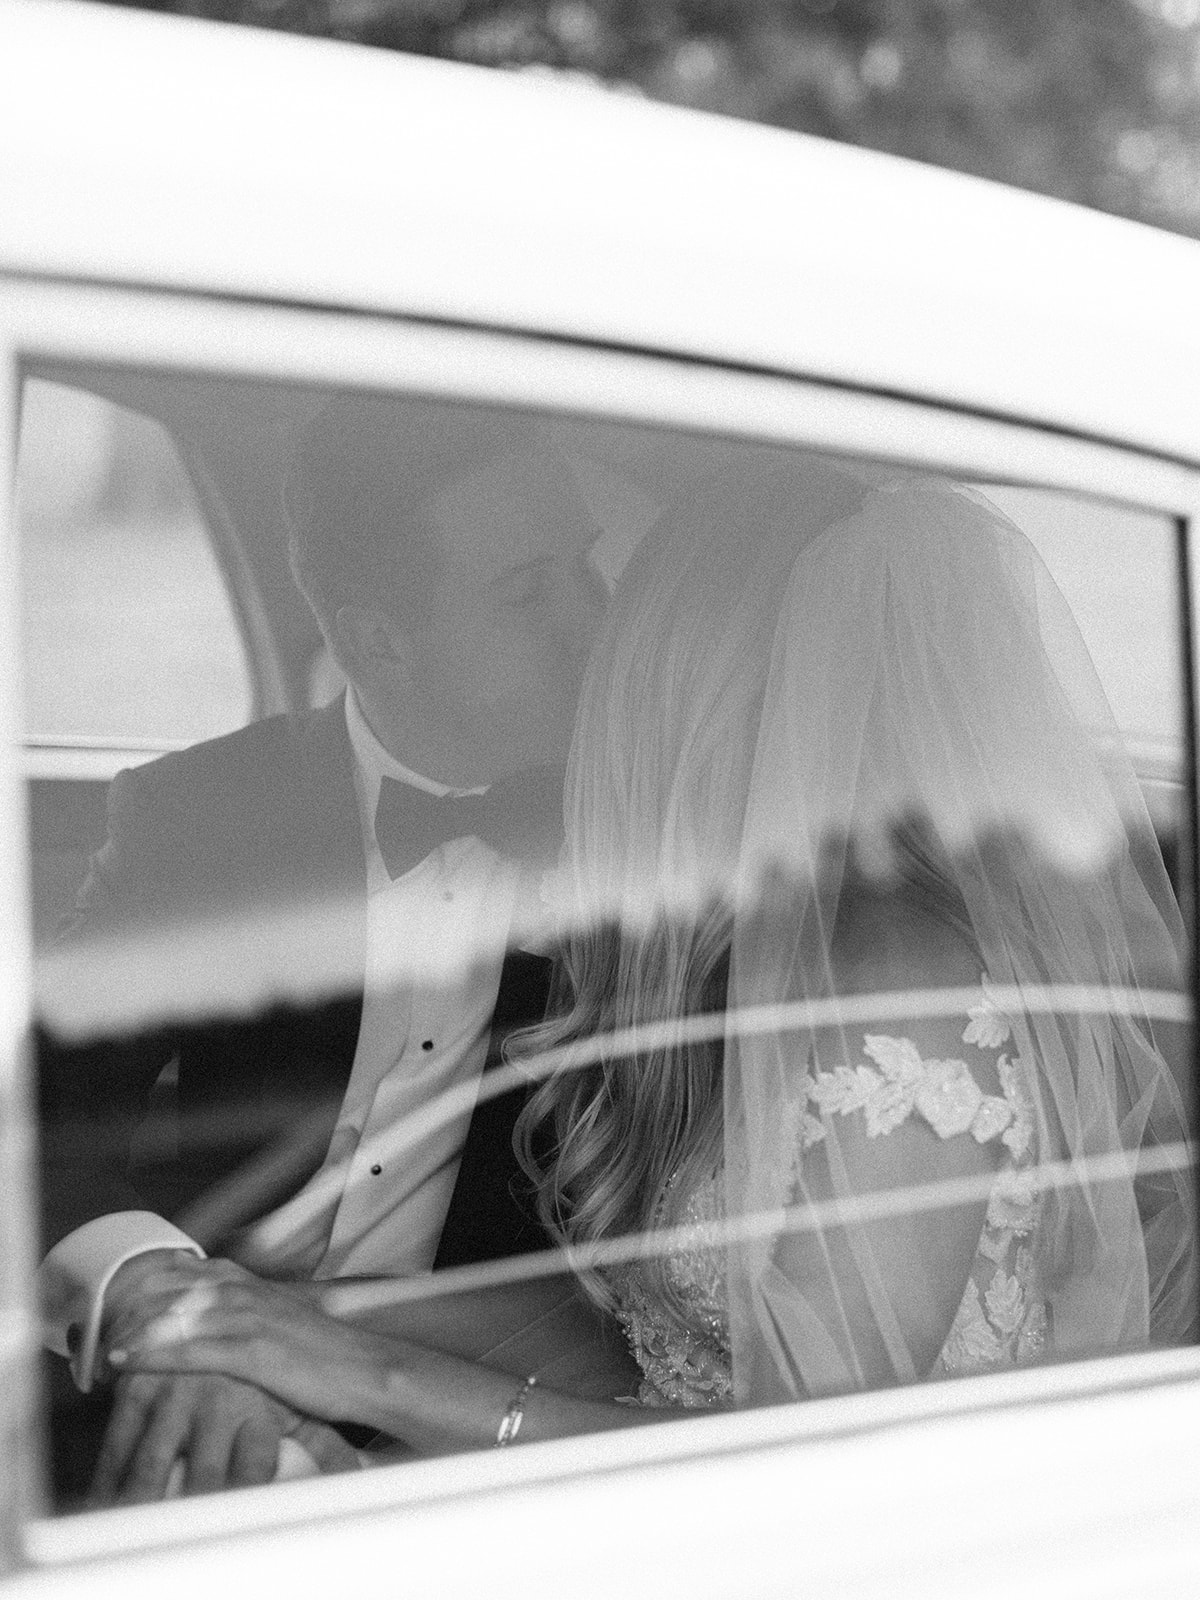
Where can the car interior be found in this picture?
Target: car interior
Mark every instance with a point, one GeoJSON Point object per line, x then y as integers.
{"type": "Point", "coordinates": [231, 439]}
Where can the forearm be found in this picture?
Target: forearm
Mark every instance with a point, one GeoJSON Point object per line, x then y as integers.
{"type": "Point", "coordinates": [544, 1325]}
{"type": "Point", "coordinates": [217, 1318]}
{"type": "Point", "coordinates": [473, 1324]}
{"type": "Point", "coordinates": [440, 1403]}
{"type": "Point", "coordinates": [99, 1050]}
{"type": "Point", "coordinates": [91, 1100]}
{"type": "Point", "coordinates": [95, 1270]}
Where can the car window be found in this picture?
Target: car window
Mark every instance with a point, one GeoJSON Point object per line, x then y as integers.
{"type": "Point", "coordinates": [724, 947]}
{"type": "Point", "coordinates": [1116, 568]}
{"type": "Point", "coordinates": [130, 638]}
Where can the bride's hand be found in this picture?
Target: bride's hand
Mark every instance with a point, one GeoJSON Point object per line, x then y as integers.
{"type": "Point", "coordinates": [230, 1321]}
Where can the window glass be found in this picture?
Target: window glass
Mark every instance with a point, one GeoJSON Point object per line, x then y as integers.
{"type": "Point", "coordinates": [1116, 568]}
{"type": "Point", "coordinates": [129, 633]}
{"type": "Point", "coordinates": [723, 948]}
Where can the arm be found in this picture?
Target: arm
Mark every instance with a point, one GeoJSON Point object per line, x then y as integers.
{"type": "Point", "coordinates": [193, 1433]}
{"type": "Point", "coordinates": [196, 1433]}
{"type": "Point", "coordinates": [83, 1275]}
{"type": "Point", "coordinates": [545, 1325]}
{"type": "Point", "coordinates": [435, 1399]}
{"type": "Point", "coordinates": [93, 1094]}
{"type": "Point", "coordinates": [915, 1264]}
{"type": "Point", "coordinates": [886, 1290]}
{"type": "Point", "coordinates": [93, 1086]}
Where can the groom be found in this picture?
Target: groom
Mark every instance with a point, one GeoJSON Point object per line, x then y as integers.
{"type": "Point", "coordinates": [314, 888]}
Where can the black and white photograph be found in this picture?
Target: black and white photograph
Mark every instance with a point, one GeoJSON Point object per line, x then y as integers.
{"type": "Point", "coordinates": [599, 799]}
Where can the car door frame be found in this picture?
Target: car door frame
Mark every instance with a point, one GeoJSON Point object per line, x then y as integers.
{"type": "Point", "coordinates": [59, 322]}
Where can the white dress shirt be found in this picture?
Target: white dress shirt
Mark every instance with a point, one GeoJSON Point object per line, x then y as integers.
{"type": "Point", "coordinates": [436, 938]}
{"type": "Point", "coordinates": [435, 943]}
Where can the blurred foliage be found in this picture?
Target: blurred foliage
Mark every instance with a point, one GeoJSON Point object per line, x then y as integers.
{"type": "Point", "coordinates": [1094, 100]}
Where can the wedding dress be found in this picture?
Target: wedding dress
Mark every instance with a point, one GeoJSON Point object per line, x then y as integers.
{"type": "Point", "coordinates": [1001, 1319]}
{"type": "Point", "coordinates": [901, 666]}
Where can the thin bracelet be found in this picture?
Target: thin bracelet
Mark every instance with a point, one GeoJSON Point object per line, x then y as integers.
{"type": "Point", "coordinates": [510, 1422]}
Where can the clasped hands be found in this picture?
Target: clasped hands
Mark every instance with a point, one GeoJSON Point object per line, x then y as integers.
{"type": "Point", "coordinates": [203, 1351]}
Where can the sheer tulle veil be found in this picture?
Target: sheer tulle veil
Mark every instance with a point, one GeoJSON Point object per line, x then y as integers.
{"type": "Point", "coordinates": [808, 684]}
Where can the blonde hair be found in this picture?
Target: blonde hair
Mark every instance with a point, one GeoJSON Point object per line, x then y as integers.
{"type": "Point", "coordinates": [629, 1133]}
{"type": "Point", "coordinates": [656, 795]}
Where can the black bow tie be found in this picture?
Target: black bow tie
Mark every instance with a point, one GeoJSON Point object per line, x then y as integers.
{"type": "Point", "coordinates": [520, 817]}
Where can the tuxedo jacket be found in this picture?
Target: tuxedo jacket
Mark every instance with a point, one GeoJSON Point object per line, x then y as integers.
{"type": "Point", "coordinates": [266, 817]}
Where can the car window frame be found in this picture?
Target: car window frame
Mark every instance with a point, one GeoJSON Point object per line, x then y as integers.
{"type": "Point", "coordinates": [101, 756]}
{"type": "Point", "coordinates": [177, 331]}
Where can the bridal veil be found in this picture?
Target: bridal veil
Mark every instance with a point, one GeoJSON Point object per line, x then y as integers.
{"type": "Point", "coordinates": [905, 684]}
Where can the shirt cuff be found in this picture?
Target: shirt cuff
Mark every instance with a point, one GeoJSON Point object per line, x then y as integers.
{"type": "Point", "coordinates": [76, 1273]}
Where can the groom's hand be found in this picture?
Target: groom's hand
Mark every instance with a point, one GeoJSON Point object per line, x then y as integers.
{"type": "Point", "coordinates": [197, 1431]}
{"type": "Point", "coordinates": [221, 1433]}
{"type": "Point", "coordinates": [136, 1296]}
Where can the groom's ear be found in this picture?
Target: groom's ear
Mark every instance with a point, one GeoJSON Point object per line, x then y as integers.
{"type": "Point", "coordinates": [366, 641]}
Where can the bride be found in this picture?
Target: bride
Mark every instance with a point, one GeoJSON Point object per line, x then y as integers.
{"type": "Point", "coordinates": [846, 816]}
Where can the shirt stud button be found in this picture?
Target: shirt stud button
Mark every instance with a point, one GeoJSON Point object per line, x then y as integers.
{"type": "Point", "coordinates": [376, 1170]}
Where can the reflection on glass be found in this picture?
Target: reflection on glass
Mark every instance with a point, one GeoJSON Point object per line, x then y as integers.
{"type": "Point", "coordinates": [757, 982]}
{"type": "Point", "coordinates": [129, 636]}
{"type": "Point", "coordinates": [876, 760]}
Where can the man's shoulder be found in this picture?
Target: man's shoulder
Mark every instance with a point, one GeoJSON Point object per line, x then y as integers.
{"type": "Point", "coordinates": [266, 754]}
{"type": "Point", "coordinates": [275, 796]}
{"type": "Point", "coordinates": [264, 815]}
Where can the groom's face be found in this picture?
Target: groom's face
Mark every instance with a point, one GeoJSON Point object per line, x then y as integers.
{"type": "Point", "coordinates": [498, 657]}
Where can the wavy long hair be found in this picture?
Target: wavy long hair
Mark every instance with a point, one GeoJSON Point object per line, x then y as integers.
{"type": "Point", "coordinates": [655, 798]}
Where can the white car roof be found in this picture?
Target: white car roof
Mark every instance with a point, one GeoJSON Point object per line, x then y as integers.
{"type": "Point", "coordinates": [149, 150]}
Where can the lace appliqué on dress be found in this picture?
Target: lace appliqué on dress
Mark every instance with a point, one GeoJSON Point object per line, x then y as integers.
{"type": "Point", "coordinates": [682, 1365]}
{"type": "Point", "coordinates": [1001, 1320]}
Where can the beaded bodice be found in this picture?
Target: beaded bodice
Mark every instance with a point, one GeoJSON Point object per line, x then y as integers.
{"type": "Point", "coordinates": [1001, 1319]}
